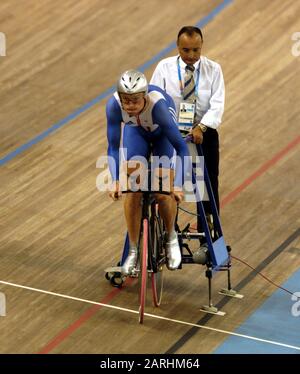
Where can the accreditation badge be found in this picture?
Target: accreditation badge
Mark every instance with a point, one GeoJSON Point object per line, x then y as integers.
{"type": "Point", "coordinates": [186, 116]}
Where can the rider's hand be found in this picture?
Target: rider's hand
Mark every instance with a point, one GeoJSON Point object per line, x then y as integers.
{"type": "Point", "coordinates": [115, 192]}
{"type": "Point", "coordinates": [178, 195]}
{"type": "Point", "coordinates": [197, 134]}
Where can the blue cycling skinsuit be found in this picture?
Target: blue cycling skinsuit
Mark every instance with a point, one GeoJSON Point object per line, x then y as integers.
{"type": "Point", "coordinates": [153, 130]}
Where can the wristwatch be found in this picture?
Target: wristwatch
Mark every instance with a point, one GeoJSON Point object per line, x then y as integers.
{"type": "Point", "coordinates": [202, 127]}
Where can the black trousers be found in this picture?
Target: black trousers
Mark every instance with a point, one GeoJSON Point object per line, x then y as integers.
{"type": "Point", "coordinates": [210, 147]}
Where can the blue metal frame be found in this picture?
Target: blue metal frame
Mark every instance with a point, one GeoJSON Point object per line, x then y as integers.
{"type": "Point", "coordinates": [217, 249]}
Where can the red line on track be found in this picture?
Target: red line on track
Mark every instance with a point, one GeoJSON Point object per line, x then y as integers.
{"type": "Point", "coordinates": [75, 325]}
{"type": "Point", "coordinates": [232, 195]}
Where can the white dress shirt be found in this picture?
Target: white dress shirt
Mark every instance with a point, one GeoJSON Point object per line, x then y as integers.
{"type": "Point", "coordinates": [210, 95]}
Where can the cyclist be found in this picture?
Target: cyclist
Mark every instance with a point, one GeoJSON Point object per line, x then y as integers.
{"type": "Point", "coordinates": [148, 115]}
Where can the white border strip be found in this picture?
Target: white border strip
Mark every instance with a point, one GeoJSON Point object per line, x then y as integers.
{"type": "Point", "coordinates": [150, 315]}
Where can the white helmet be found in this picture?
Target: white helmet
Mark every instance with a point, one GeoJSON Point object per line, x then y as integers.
{"type": "Point", "coordinates": [131, 82]}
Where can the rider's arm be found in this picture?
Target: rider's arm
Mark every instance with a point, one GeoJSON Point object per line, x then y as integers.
{"type": "Point", "coordinates": [162, 117]}
{"type": "Point", "coordinates": [114, 119]}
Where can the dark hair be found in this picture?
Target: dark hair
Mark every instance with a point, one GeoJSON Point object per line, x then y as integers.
{"type": "Point", "coordinates": [190, 30]}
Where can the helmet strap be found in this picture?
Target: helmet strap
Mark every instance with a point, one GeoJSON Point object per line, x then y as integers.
{"type": "Point", "coordinates": [145, 102]}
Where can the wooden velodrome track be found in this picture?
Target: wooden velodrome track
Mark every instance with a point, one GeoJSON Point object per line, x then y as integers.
{"type": "Point", "coordinates": [58, 232]}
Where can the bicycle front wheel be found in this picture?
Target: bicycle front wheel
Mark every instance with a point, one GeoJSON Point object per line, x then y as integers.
{"type": "Point", "coordinates": [143, 271]}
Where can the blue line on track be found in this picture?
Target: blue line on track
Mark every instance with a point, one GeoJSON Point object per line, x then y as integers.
{"type": "Point", "coordinates": [277, 319]}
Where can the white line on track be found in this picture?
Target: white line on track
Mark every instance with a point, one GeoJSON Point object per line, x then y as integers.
{"type": "Point", "coordinates": [150, 315]}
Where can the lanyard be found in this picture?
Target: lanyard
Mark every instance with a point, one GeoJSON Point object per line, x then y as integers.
{"type": "Point", "coordinates": [180, 78]}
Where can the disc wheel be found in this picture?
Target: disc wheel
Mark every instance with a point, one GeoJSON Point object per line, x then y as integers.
{"type": "Point", "coordinates": [157, 281]}
{"type": "Point", "coordinates": [157, 259]}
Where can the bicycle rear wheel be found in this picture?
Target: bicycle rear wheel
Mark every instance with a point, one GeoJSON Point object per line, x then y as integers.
{"type": "Point", "coordinates": [143, 271]}
{"type": "Point", "coordinates": [157, 258]}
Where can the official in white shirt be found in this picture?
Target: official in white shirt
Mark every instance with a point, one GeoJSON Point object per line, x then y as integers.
{"type": "Point", "coordinates": [203, 90]}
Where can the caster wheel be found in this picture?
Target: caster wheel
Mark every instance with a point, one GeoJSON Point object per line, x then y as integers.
{"type": "Point", "coordinates": [109, 275]}
{"type": "Point", "coordinates": [117, 280]}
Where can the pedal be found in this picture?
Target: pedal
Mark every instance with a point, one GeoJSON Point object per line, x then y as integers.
{"type": "Point", "coordinates": [134, 273]}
